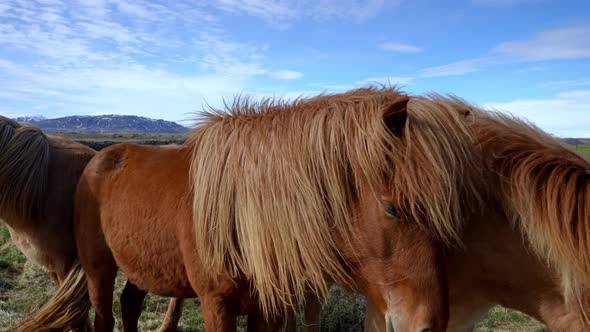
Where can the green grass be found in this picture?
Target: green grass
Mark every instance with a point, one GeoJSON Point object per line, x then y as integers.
{"type": "Point", "coordinates": [583, 149]}
{"type": "Point", "coordinates": [100, 141]}
{"type": "Point", "coordinates": [502, 319]}
{"type": "Point", "coordinates": [22, 286]}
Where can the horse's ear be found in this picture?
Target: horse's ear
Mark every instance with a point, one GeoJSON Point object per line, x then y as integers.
{"type": "Point", "coordinates": [396, 114]}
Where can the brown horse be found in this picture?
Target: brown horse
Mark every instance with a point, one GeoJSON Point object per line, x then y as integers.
{"type": "Point", "coordinates": [269, 201]}
{"type": "Point", "coordinates": [535, 254]}
{"type": "Point", "coordinates": [38, 178]}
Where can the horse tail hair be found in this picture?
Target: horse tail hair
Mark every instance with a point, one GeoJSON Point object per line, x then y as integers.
{"type": "Point", "coordinates": [68, 307]}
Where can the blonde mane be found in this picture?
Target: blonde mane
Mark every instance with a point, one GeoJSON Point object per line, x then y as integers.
{"type": "Point", "coordinates": [24, 162]}
{"type": "Point", "coordinates": [547, 185]}
{"type": "Point", "coordinates": [275, 183]}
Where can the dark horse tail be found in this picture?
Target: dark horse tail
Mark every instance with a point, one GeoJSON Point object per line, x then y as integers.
{"type": "Point", "coordinates": [24, 164]}
{"type": "Point", "coordinates": [69, 306]}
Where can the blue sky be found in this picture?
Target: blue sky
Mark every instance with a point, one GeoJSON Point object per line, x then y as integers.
{"type": "Point", "coordinates": [165, 59]}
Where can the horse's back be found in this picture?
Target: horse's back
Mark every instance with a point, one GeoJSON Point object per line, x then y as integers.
{"type": "Point", "coordinates": [120, 197]}
{"type": "Point", "coordinates": [66, 164]}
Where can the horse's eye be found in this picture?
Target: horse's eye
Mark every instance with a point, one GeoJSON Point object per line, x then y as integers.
{"type": "Point", "coordinates": [390, 210]}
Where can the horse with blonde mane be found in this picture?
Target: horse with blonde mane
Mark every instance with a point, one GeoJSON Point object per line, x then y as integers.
{"type": "Point", "coordinates": [271, 200]}
{"type": "Point", "coordinates": [38, 178]}
{"type": "Point", "coordinates": [534, 254]}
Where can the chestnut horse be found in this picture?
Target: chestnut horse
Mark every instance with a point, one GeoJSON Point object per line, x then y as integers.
{"type": "Point", "coordinates": [38, 178]}
{"type": "Point", "coordinates": [535, 254]}
{"type": "Point", "coordinates": [269, 201]}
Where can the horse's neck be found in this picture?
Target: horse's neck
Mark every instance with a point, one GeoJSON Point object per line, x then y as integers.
{"type": "Point", "coordinates": [47, 240]}
{"type": "Point", "coordinates": [496, 267]}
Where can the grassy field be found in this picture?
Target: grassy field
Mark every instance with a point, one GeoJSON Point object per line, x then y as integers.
{"type": "Point", "coordinates": [100, 141]}
{"type": "Point", "coordinates": [583, 149]}
{"type": "Point", "coordinates": [23, 287]}
{"type": "Point", "coordinates": [123, 137]}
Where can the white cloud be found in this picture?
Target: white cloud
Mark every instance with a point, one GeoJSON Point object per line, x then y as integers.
{"type": "Point", "coordinates": [286, 74]}
{"type": "Point", "coordinates": [266, 9]}
{"type": "Point", "coordinates": [281, 13]}
{"type": "Point", "coordinates": [223, 55]}
{"type": "Point", "coordinates": [118, 90]}
{"type": "Point", "coordinates": [135, 9]}
{"type": "Point", "coordinates": [566, 114]}
{"type": "Point", "coordinates": [88, 57]}
{"type": "Point", "coordinates": [92, 9]}
{"type": "Point", "coordinates": [229, 57]}
{"type": "Point", "coordinates": [566, 43]}
{"type": "Point", "coordinates": [456, 68]}
{"type": "Point", "coordinates": [400, 47]}
{"type": "Point", "coordinates": [558, 44]}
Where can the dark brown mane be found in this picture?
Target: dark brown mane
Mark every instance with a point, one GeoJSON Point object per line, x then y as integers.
{"type": "Point", "coordinates": [24, 162]}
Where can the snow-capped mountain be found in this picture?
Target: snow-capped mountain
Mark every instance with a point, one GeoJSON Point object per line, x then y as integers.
{"type": "Point", "coordinates": [105, 124]}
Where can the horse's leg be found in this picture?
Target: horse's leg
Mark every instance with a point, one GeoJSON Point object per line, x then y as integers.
{"type": "Point", "coordinates": [101, 270]}
{"type": "Point", "coordinates": [172, 315]}
{"type": "Point", "coordinates": [291, 322]}
{"type": "Point", "coordinates": [131, 305]}
{"type": "Point", "coordinates": [218, 316]}
{"type": "Point", "coordinates": [313, 307]}
{"type": "Point", "coordinates": [257, 323]}
{"type": "Point", "coordinates": [101, 284]}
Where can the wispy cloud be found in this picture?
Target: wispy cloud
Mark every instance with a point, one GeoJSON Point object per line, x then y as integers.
{"type": "Point", "coordinates": [286, 74]}
{"type": "Point", "coordinates": [565, 114]}
{"type": "Point", "coordinates": [565, 43]}
{"type": "Point", "coordinates": [85, 31]}
{"type": "Point", "coordinates": [282, 13]}
{"type": "Point", "coordinates": [231, 58]}
{"type": "Point", "coordinates": [400, 47]}
{"type": "Point", "coordinates": [117, 90]}
{"type": "Point", "coordinates": [266, 9]}
{"type": "Point", "coordinates": [95, 57]}
{"type": "Point", "coordinates": [559, 44]}
{"type": "Point", "coordinates": [458, 68]}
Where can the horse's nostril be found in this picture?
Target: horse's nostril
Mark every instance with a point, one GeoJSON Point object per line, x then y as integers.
{"type": "Point", "coordinates": [425, 330]}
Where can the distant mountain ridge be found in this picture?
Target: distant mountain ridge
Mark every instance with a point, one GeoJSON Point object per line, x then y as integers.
{"type": "Point", "coordinates": [576, 141]}
{"type": "Point", "coordinates": [105, 124]}
{"type": "Point", "coordinates": [31, 118]}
